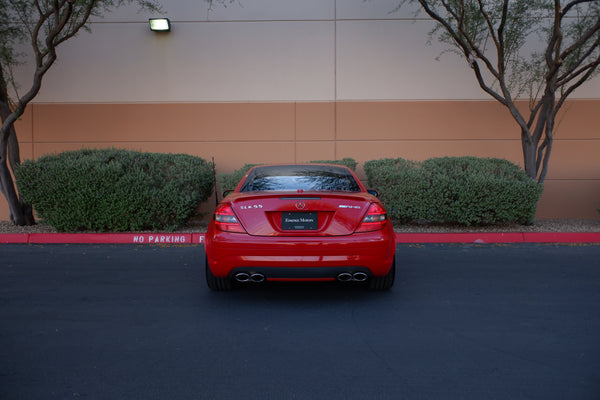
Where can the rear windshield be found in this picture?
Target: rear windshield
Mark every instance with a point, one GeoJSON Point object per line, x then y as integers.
{"type": "Point", "coordinates": [300, 177]}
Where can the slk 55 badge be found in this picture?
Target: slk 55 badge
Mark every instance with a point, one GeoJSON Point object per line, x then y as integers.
{"type": "Point", "coordinates": [252, 207]}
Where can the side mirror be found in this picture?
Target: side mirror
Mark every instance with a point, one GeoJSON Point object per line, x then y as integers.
{"type": "Point", "coordinates": [225, 193]}
{"type": "Point", "coordinates": [373, 192]}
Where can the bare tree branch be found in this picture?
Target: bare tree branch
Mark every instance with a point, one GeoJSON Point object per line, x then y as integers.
{"type": "Point", "coordinates": [46, 24]}
{"type": "Point", "coordinates": [468, 26]}
{"type": "Point", "coordinates": [576, 85]}
{"type": "Point", "coordinates": [572, 74]}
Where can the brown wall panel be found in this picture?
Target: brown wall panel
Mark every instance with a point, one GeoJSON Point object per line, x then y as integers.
{"type": "Point", "coordinates": [579, 119]}
{"type": "Point", "coordinates": [421, 150]}
{"type": "Point", "coordinates": [315, 121]}
{"type": "Point", "coordinates": [313, 151]}
{"type": "Point", "coordinates": [4, 212]}
{"type": "Point", "coordinates": [455, 120]}
{"type": "Point", "coordinates": [163, 122]}
{"type": "Point", "coordinates": [578, 199]}
{"type": "Point", "coordinates": [449, 120]}
{"type": "Point", "coordinates": [24, 126]}
{"type": "Point", "coordinates": [575, 159]}
{"type": "Point", "coordinates": [228, 156]}
{"type": "Point", "coordinates": [239, 133]}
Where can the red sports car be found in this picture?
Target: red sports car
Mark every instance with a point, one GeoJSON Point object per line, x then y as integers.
{"type": "Point", "coordinates": [306, 222]}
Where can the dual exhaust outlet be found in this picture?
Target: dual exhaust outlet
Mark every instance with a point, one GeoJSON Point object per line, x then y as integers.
{"type": "Point", "coordinates": [249, 277]}
{"type": "Point", "coordinates": [254, 277]}
{"type": "Point", "coordinates": [355, 277]}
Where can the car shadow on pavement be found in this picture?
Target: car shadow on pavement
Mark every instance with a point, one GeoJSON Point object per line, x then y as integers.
{"type": "Point", "coordinates": [301, 293]}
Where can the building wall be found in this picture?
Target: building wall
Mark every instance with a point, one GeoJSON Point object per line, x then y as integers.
{"type": "Point", "coordinates": [281, 81]}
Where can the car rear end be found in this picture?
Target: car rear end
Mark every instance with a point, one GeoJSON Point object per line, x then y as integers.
{"type": "Point", "coordinates": [279, 235]}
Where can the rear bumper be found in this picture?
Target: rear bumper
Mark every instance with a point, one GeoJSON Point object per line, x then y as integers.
{"type": "Point", "coordinates": [300, 257]}
{"type": "Point", "coordinates": [301, 273]}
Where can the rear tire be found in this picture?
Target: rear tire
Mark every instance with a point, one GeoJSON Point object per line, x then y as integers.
{"type": "Point", "coordinates": [384, 282]}
{"type": "Point", "coordinates": [216, 283]}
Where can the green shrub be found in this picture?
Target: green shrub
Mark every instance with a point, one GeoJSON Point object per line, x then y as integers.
{"type": "Point", "coordinates": [455, 190]}
{"type": "Point", "coordinates": [230, 181]}
{"type": "Point", "coordinates": [115, 190]}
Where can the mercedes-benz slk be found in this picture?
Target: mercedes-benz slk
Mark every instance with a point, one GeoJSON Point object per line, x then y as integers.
{"type": "Point", "coordinates": [300, 222]}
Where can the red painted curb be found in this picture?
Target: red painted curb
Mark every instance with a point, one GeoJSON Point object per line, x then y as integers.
{"type": "Point", "coordinates": [198, 238]}
{"type": "Point", "coordinates": [114, 238]}
{"type": "Point", "coordinates": [561, 237]}
{"type": "Point", "coordinates": [14, 238]}
{"type": "Point", "coordinates": [463, 237]}
{"type": "Point", "coordinates": [500, 237]}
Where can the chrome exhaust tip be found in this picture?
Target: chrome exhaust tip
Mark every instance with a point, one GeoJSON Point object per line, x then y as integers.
{"type": "Point", "coordinates": [360, 277]}
{"type": "Point", "coordinates": [257, 278]}
{"type": "Point", "coordinates": [344, 277]}
{"type": "Point", "coordinates": [242, 277]}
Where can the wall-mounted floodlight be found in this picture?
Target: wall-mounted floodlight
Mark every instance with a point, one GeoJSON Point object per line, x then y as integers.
{"type": "Point", "coordinates": [160, 24]}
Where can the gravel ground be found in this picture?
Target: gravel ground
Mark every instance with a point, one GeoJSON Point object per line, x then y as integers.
{"type": "Point", "coordinates": [546, 225]}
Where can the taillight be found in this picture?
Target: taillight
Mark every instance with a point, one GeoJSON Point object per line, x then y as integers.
{"type": "Point", "coordinates": [374, 220]}
{"type": "Point", "coordinates": [225, 219]}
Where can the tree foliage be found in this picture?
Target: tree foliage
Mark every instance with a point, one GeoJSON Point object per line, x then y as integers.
{"type": "Point", "coordinates": [541, 50]}
{"type": "Point", "coordinates": [44, 25]}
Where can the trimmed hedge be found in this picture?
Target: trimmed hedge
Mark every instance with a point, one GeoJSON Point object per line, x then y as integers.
{"type": "Point", "coordinates": [230, 181]}
{"type": "Point", "coordinates": [455, 190]}
{"type": "Point", "coordinates": [115, 190]}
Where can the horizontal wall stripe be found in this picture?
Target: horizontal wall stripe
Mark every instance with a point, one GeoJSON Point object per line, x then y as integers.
{"type": "Point", "coordinates": [239, 133]}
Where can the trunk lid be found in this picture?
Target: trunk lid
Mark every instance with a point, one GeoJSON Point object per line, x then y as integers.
{"type": "Point", "coordinates": [300, 214]}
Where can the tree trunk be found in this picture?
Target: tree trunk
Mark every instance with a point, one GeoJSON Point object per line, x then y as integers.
{"type": "Point", "coordinates": [21, 213]}
{"type": "Point", "coordinates": [529, 154]}
{"type": "Point", "coordinates": [537, 137]}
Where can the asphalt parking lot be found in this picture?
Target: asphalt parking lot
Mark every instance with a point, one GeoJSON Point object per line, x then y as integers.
{"type": "Point", "coordinates": [138, 322]}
